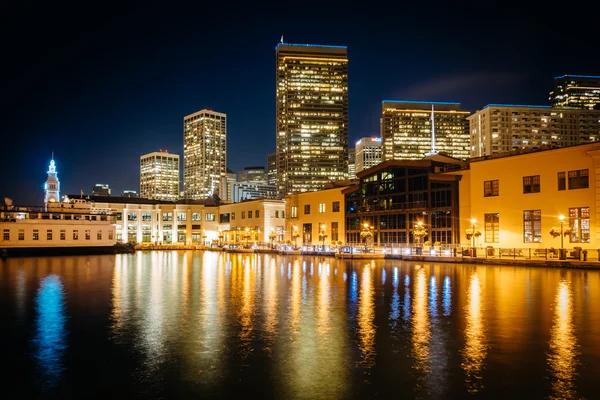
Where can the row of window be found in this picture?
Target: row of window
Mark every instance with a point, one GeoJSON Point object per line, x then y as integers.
{"type": "Point", "coordinates": [35, 235]}
{"type": "Point", "coordinates": [531, 184]}
{"type": "Point", "coordinates": [335, 207]}
{"type": "Point", "coordinates": [166, 216]}
{"type": "Point", "coordinates": [321, 234]}
{"type": "Point", "coordinates": [256, 214]}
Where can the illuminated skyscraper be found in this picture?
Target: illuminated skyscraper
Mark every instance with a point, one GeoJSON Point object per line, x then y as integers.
{"type": "Point", "coordinates": [406, 129]}
{"type": "Point", "coordinates": [368, 153]}
{"type": "Point", "coordinates": [159, 176]}
{"type": "Point", "coordinates": [204, 153]}
{"type": "Point", "coordinates": [351, 163]}
{"type": "Point", "coordinates": [272, 169]}
{"type": "Point", "coordinates": [52, 185]}
{"type": "Point", "coordinates": [312, 116]}
{"type": "Point", "coordinates": [577, 91]}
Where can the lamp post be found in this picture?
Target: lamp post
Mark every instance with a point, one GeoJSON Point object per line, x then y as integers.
{"type": "Point", "coordinates": [367, 233]}
{"type": "Point", "coordinates": [272, 236]}
{"type": "Point", "coordinates": [247, 235]}
{"type": "Point", "coordinates": [562, 251]}
{"type": "Point", "coordinates": [473, 251]}
{"type": "Point", "coordinates": [295, 235]}
{"type": "Point", "coordinates": [322, 236]}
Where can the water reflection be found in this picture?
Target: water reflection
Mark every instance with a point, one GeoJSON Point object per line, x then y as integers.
{"type": "Point", "coordinates": [475, 349]}
{"type": "Point", "coordinates": [366, 313]}
{"type": "Point", "coordinates": [563, 354]}
{"type": "Point", "coordinates": [51, 336]}
{"type": "Point", "coordinates": [421, 334]}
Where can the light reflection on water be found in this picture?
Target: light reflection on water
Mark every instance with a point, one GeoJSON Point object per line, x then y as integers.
{"type": "Point", "coordinates": [475, 349]}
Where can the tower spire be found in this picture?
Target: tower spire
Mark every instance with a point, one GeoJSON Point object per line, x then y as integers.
{"type": "Point", "coordinates": [282, 38]}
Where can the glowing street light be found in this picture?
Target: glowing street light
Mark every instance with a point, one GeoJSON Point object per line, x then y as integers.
{"type": "Point", "coordinates": [562, 221]}
{"type": "Point", "coordinates": [295, 235]}
{"type": "Point", "coordinates": [322, 235]}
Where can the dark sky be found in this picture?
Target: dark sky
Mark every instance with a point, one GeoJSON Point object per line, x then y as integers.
{"type": "Point", "coordinates": [101, 85]}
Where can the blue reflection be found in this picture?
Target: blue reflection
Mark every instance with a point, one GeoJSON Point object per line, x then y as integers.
{"type": "Point", "coordinates": [353, 287]}
{"type": "Point", "coordinates": [447, 297]}
{"type": "Point", "coordinates": [395, 278]}
{"type": "Point", "coordinates": [432, 297]}
{"type": "Point", "coordinates": [383, 276]}
{"type": "Point", "coordinates": [50, 338]}
{"type": "Point", "coordinates": [395, 313]}
{"type": "Point", "coordinates": [406, 306]}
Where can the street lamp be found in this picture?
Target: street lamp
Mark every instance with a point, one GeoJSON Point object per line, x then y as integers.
{"type": "Point", "coordinates": [247, 235]}
{"type": "Point", "coordinates": [272, 236]}
{"type": "Point", "coordinates": [419, 233]}
{"type": "Point", "coordinates": [295, 235]}
{"type": "Point", "coordinates": [473, 221]}
{"type": "Point", "coordinates": [562, 221]}
{"type": "Point", "coordinates": [322, 235]}
{"type": "Point", "coordinates": [366, 233]}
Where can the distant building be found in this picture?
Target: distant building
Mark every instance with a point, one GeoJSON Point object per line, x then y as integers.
{"type": "Point", "coordinates": [499, 128]}
{"type": "Point", "coordinates": [256, 175]}
{"type": "Point", "coordinates": [129, 193]}
{"type": "Point", "coordinates": [242, 191]}
{"type": "Point", "coordinates": [226, 185]}
{"type": "Point", "coordinates": [351, 163]}
{"type": "Point", "coordinates": [272, 169]}
{"type": "Point", "coordinates": [368, 153]}
{"type": "Point", "coordinates": [407, 132]}
{"type": "Point", "coordinates": [577, 91]}
{"type": "Point", "coordinates": [312, 116]}
{"type": "Point", "coordinates": [101, 189]}
{"type": "Point", "coordinates": [159, 176]}
{"type": "Point", "coordinates": [204, 153]}
{"type": "Point", "coordinates": [52, 185]}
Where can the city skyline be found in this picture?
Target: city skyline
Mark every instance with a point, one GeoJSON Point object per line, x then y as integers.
{"type": "Point", "coordinates": [102, 94]}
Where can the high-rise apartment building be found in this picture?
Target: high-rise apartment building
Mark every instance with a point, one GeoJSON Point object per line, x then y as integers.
{"type": "Point", "coordinates": [204, 153]}
{"type": "Point", "coordinates": [407, 132]}
{"type": "Point", "coordinates": [368, 153]}
{"type": "Point", "coordinates": [499, 128]}
{"type": "Point", "coordinates": [351, 163]}
{"type": "Point", "coordinates": [312, 116]}
{"type": "Point", "coordinates": [272, 169]}
{"type": "Point", "coordinates": [256, 175]}
{"type": "Point", "coordinates": [226, 185]}
{"type": "Point", "coordinates": [159, 176]}
{"type": "Point", "coordinates": [101, 189]}
{"type": "Point", "coordinates": [577, 91]}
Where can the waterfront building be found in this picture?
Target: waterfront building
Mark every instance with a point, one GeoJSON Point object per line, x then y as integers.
{"type": "Point", "coordinates": [52, 185]}
{"type": "Point", "coordinates": [129, 193]}
{"type": "Point", "coordinates": [312, 116]}
{"type": "Point", "coordinates": [204, 153]}
{"type": "Point", "coordinates": [272, 169]}
{"type": "Point", "coordinates": [577, 91]}
{"type": "Point", "coordinates": [159, 176]}
{"type": "Point", "coordinates": [368, 153]}
{"type": "Point", "coordinates": [253, 221]}
{"type": "Point", "coordinates": [407, 131]}
{"type": "Point", "coordinates": [499, 128]}
{"type": "Point", "coordinates": [351, 163]}
{"type": "Point", "coordinates": [316, 218]}
{"type": "Point", "coordinates": [256, 175]}
{"type": "Point", "coordinates": [101, 189]}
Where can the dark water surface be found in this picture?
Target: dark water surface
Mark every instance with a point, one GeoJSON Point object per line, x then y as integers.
{"type": "Point", "coordinates": [186, 324]}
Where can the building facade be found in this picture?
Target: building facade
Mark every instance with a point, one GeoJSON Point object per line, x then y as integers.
{"type": "Point", "coordinates": [52, 185]}
{"type": "Point", "coordinates": [312, 116]}
{"type": "Point", "coordinates": [272, 169]}
{"type": "Point", "coordinates": [352, 163]}
{"type": "Point", "coordinates": [499, 128]}
{"type": "Point", "coordinates": [256, 175]}
{"type": "Point", "coordinates": [129, 193]}
{"type": "Point", "coordinates": [226, 187]}
{"type": "Point", "coordinates": [257, 221]}
{"type": "Point", "coordinates": [577, 91]}
{"type": "Point", "coordinates": [407, 131]}
{"type": "Point", "coordinates": [204, 153]}
{"type": "Point", "coordinates": [159, 176]}
{"type": "Point", "coordinates": [101, 189]}
{"type": "Point", "coordinates": [368, 153]}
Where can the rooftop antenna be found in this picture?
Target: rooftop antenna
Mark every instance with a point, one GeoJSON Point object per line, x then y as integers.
{"type": "Point", "coordinates": [281, 38]}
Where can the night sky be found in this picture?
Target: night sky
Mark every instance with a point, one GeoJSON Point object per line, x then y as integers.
{"type": "Point", "coordinates": [101, 86]}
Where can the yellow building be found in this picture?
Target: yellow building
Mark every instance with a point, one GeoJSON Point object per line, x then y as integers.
{"type": "Point", "coordinates": [255, 221]}
{"type": "Point", "coordinates": [515, 200]}
{"type": "Point", "coordinates": [316, 218]}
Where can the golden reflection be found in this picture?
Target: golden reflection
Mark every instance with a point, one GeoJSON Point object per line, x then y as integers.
{"type": "Point", "coordinates": [366, 313]}
{"type": "Point", "coordinates": [475, 349]}
{"type": "Point", "coordinates": [246, 312]}
{"type": "Point", "coordinates": [270, 287]}
{"type": "Point", "coordinates": [323, 304]}
{"type": "Point", "coordinates": [562, 357]}
{"type": "Point", "coordinates": [421, 329]}
{"type": "Point", "coordinates": [120, 294]}
{"type": "Point", "coordinates": [295, 300]}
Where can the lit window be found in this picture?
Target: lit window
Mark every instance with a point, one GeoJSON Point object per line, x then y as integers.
{"type": "Point", "coordinates": [63, 234]}
{"type": "Point", "coordinates": [531, 184]}
{"type": "Point", "coordinates": [532, 226]}
{"type": "Point", "coordinates": [196, 217]}
{"type": "Point", "coordinates": [36, 234]}
{"type": "Point", "coordinates": [492, 228]}
{"type": "Point", "coordinates": [210, 216]}
{"type": "Point", "coordinates": [75, 234]}
{"type": "Point", "coordinates": [579, 221]}
{"type": "Point", "coordinates": [49, 234]}
{"type": "Point", "coordinates": [181, 216]}
{"type": "Point", "coordinates": [578, 179]}
{"type": "Point", "coordinates": [21, 234]}
{"type": "Point", "coordinates": [321, 208]}
{"type": "Point", "coordinates": [87, 234]}
{"type": "Point", "coordinates": [99, 235]}
{"type": "Point", "coordinates": [6, 234]}
{"type": "Point", "coordinates": [491, 188]}
{"type": "Point", "coordinates": [294, 212]}
{"type": "Point", "coordinates": [167, 216]}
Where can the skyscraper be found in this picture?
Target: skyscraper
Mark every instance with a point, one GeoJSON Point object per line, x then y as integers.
{"type": "Point", "coordinates": [312, 116]}
{"type": "Point", "coordinates": [52, 185]}
{"type": "Point", "coordinates": [368, 153]}
{"type": "Point", "coordinates": [578, 91]}
{"type": "Point", "coordinates": [204, 153]}
{"type": "Point", "coordinates": [159, 176]}
{"type": "Point", "coordinates": [272, 169]}
{"type": "Point", "coordinates": [406, 129]}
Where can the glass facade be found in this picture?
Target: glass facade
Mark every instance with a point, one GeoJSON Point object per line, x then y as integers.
{"type": "Point", "coordinates": [159, 176]}
{"type": "Point", "coordinates": [578, 91]}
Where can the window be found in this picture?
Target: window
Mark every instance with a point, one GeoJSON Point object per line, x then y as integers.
{"type": "Point", "coordinates": [294, 212]}
{"type": "Point", "coordinates": [21, 234]}
{"type": "Point", "coordinates": [491, 188]}
{"type": "Point", "coordinates": [243, 214]}
{"type": "Point", "coordinates": [63, 234]}
{"type": "Point", "coordinates": [321, 208]}
{"type": "Point", "coordinates": [6, 234]}
{"type": "Point", "coordinates": [335, 206]}
{"type": "Point", "coordinates": [579, 221]}
{"type": "Point", "coordinates": [250, 214]}
{"type": "Point", "coordinates": [578, 179]}
{"type": "Point", "coordinates": [210, 216]}
{"type": "Point", "coordinates": [181, 216]}
{"type": "Point", "coordinates": [531, 184]}
{"type": "Point", "coordinates": [276, 214]}
{"type": "Point", "coordinates": [307, 209]}
{"type": "Point", "coordinates": [36, 234]}
{"type": "Point", "coordinates": [233, 216]}
{"type": "Point", "coordinates": [49, 234]}
{"type": "Point", "coordinates": [282, 213]}
{"type": "Point", "coordinates": [562, 181]}
{"type": "Point", "coordinates": [131, 216]}
{"type": "Point", "coordinates": [257, 213]}
{"type": "Point", "coordinates": [146, 216]}
{"type": "Point", "coordinates": [99, 235]}
{"type": "Point", "coordinates": [167, 216]}
{"type": "Point", "coordinates": [119, 216]}
{"type": "Point", "coordinates": [532, 226]}
{"type": "Point", "coordinates": [110, 235]}
{"type": "Point", "coordinates": [196, 217]}
{"type": "Point", "coordinates": [75, 234]}
{"type": "Point", "coordinates": [492, 228]}
{"type": "Point", "coordinates": [334, 231]}
{"type": "Point", "coordinates": [87, 234]}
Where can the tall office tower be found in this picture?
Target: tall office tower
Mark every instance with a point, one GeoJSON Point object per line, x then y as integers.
{"type": "Point", "coordinates": [52, 185]}
{"type": "Point", "coordinates": [578, 91]}
{"type": "Point", "coordinates": [312, 116]}
{"type": "Point", "coordinates": [226, 185]}
{"type": "Point", "coordinates": [159, 176]}
{"type": "Point", "coordinates": [129, 193]}
{"type": "Point", "coordinates": [204, 153]}
{"type": "Point", "coordinates": [253, 175]}
{"type": "Point", "coordinates": [500, 128]}
{"type": "Point", "coordinates": [407, 132]}
{"type": "Point", "coordinates": [272, 169]}
{"type": "Point", "coordinates": [351, 163]}
{"type": "Point", "coordinates": [368, 153]}
{"type": "Point", "coordinates": [101, 189]}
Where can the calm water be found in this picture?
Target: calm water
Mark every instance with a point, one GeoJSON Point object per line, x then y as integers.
{"type": "Point", "coordinates": [215, 325]}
